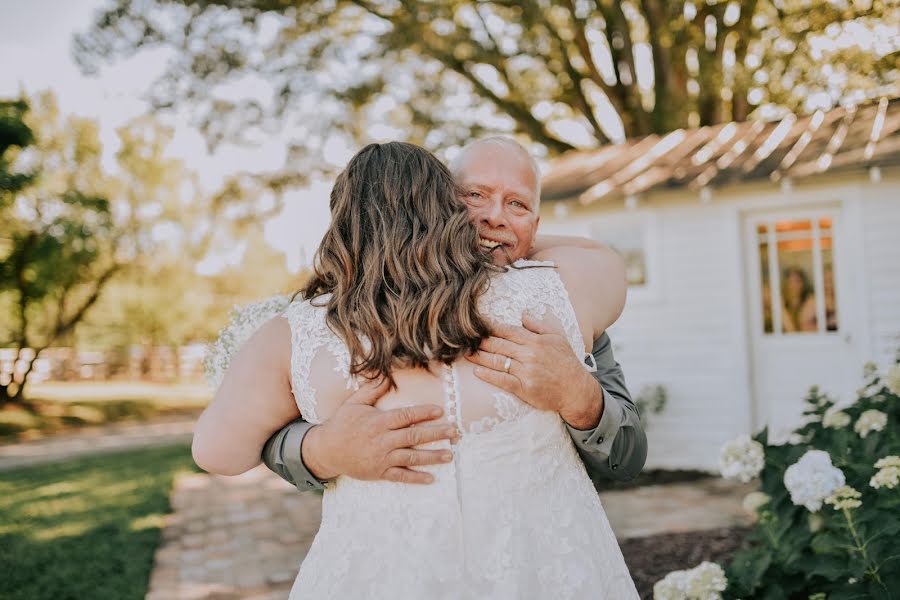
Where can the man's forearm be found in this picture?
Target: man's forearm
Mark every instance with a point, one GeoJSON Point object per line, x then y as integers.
{"type": "Point", "coordinates": [617, 447]}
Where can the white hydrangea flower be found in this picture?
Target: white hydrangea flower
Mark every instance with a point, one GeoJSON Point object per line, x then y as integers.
{"type": "Point", "coordinates": [889, 473]}
{"type": "Point", "coordinates": [754, 500]}
{"type": "Point", "coordinates": [870, 369]}
{"type": "Point", "coordinates": [892, 379]}
{"type": "Point", "coordinates": [243, 322]}
{"type": "Point", "coordinates": [844, 497]}
{"type": "Point", "coordinates": [742, 459]}
{"type": "Point", "coordinates": [869, 421]}
{"type": "Point", "coordinates": [706, 581]}
{"type": "Point", "coordinates": [836, 419]}
{"type": "Point", "coordinates": [812, 479]}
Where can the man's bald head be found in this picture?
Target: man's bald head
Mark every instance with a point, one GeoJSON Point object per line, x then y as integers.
{"type": "Point", "coordinates": [497, 143]}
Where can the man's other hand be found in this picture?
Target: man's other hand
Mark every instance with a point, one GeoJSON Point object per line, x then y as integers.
{"type": "Point", "coordinates": [543, 371]}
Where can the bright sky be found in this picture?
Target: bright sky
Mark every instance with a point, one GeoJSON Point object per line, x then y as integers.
{"type": "Point", "coordinates": [35, 41]}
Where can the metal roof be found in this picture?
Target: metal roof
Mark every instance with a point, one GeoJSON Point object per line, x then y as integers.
{"type": "Point", "coordinates": [842, 139]}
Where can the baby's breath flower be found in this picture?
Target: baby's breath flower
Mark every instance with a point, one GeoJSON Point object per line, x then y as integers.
{"type": "Point", "coordinates": [869, 421]}
{"type": "Point", "coordinates": [845, 497]}
{"type": "Point", "coordinates": [243, 322]}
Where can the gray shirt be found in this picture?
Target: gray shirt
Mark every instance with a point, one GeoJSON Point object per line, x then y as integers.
{"type": "Point", "coordinates": [615, 449]}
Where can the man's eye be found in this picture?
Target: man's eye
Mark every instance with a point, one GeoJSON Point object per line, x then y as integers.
{"type": "Point", "coordinates": [474, 194]}
{"type": "Point", "coordinates": [518, 203]}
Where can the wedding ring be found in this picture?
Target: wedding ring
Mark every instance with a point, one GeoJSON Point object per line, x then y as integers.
{"type": "Point", "coordinates": [507, 365]}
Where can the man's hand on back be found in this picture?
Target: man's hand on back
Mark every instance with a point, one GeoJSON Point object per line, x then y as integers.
{"type": "Point", "coordinates": [363, 442]}
{"type": "Point", "coordinates": [543, 372]}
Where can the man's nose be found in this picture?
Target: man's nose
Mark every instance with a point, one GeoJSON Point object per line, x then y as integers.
{"type": "Point", "coordinates": [493, 214]}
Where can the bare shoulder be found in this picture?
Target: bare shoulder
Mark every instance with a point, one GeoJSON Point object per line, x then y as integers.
{"type": "Point", "coordinates": [269, 347]}
{"type": "Point", "coordinates": [595, 280]}
{"type": "Point", "coordinates": [599, 262]}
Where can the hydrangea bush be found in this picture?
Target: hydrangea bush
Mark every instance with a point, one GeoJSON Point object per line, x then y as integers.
{"type": "Point", "coordinates": [828, 506]}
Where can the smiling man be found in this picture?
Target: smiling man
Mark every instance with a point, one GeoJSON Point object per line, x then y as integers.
{"type": "Point", "coordinates": [501, 182]}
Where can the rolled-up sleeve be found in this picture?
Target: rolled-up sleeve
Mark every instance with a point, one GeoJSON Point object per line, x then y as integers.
{"type": "Point", "coordinates": [617, 447]}
{"type": "Point", "coordinates": [281, 454]}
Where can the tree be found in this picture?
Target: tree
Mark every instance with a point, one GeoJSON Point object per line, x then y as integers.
{"type": "Point", "coordinates": [57, 229]}
{"type": "Point", "coordinates": [560, 73]}
{"type": "Point", "coordinates": [14, 135]}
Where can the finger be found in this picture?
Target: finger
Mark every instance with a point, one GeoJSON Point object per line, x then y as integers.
{"type": "Point", "coordinates": [369, 393]}
{"type": "Point", "coordinates": [406, 457]}
{"type": "Point", "coordinates": [399, 418]}
{"type": "Point", "coordinates": [520, 335]}
{"type": "Point", "coordinates": [496, 345]}
{"type": "Point", "coordinates": [416, 436]}
{"type": "Point", "coordinates": [504, 381]}
{"type": "Point", "coordinates": [497, 362]}
{"type": "Point", "coordinates": [535, 325]}
{"type": "Point", "coordinates": [401, 475]}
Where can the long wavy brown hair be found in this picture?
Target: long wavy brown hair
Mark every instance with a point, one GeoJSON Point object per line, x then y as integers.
{"type": "Point", "coordinates": [401, 263]}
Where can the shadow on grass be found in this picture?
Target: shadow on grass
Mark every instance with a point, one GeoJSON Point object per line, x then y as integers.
{"type": "Point", "coordinates": [88, 527]}
{"type": "Point", "coordinates": [41, 417]}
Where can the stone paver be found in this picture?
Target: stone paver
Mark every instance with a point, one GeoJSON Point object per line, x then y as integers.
{"type": "Point", "coordinates": [96, 440]}
{"type": "Point", "coordinates": [233, 537]}
{"type": "Point", "coordinates": [245, 537]}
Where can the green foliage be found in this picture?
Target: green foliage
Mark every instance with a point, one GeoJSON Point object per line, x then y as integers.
{"type": "Point", "coordinates": [14, 135]}
{"type": "Point", "coordinates": [57, 246]}
{"type": "Point", "coordinates": [652, 399]}
{"type": "Point", "coordinates": [88, 527]}
{"type": "Point", "coordinates": [440, 73]}
{"type": "Point", "coordinates": [844, 553]}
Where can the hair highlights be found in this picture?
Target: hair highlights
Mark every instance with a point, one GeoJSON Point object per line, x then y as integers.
{"type": "Point", "coordinates": [401, 263]}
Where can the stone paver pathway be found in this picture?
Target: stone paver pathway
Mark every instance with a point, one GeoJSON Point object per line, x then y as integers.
{"type": "Point", "coordinates": [245, 537]}
{"type": "Point", "coordinates": [96, 440]}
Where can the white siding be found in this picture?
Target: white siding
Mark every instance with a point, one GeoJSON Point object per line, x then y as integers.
{"type": "Point", "coordinates": [880, 208]}
{"type": "Point", "coordinates": [688, 337]}
{"type": "Point", "coordinates": [689, 333]}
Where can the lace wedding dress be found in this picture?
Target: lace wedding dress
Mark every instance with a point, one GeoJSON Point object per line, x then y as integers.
{"type": "Point", "coordinates": [514, 516]}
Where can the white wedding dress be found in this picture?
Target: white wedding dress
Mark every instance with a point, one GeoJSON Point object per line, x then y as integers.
{"type": "Point", "coordinates": [514, 516]}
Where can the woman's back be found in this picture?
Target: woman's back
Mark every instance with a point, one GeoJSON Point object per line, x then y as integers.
{"type": "Point", "coordinates": [513, 516]}
{"type": "Point", "coordinates": [320, 363]}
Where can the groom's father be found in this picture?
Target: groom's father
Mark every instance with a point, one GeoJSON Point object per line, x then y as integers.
{"type": "Point", "coordinates": [502, 185]}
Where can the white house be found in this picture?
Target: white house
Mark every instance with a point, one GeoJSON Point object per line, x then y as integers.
{"type": "Point", "coordinates": [720, 224]}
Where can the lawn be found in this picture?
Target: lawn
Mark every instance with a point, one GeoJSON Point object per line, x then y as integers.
{"type": "Point", "coordinates": [57, 406]}
{"type": "Point", "coordinates": [87, 527]}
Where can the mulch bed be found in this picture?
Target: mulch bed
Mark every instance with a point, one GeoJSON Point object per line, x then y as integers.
{"type": "Point", "coordinates": [653, 557]}
{"type": "Point", "coordinates": [655, 477]}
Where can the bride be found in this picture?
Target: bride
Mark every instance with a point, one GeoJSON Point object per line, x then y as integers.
{"type": "Point", "coordinates": [402, 292]}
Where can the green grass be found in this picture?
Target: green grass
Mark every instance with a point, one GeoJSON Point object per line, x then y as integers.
{"type": "Point", "coordinates": [87, 527]}
{"type": "Point", "coordinates": [59, 406]}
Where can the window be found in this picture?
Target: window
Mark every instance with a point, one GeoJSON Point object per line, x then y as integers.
{"type": "Point", "coordinates": [629, 239]}
{"type": "Point", "coordinates": [796, 264]}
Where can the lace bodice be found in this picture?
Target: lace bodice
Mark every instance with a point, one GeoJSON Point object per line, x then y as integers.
{"type": "Point", "coordinates": [514, 516]}
{"type": "Point", "coordinates": [320, 361]}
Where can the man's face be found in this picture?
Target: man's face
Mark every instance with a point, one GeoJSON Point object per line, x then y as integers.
{"type": "Point", "coordinates": [501, 191]}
